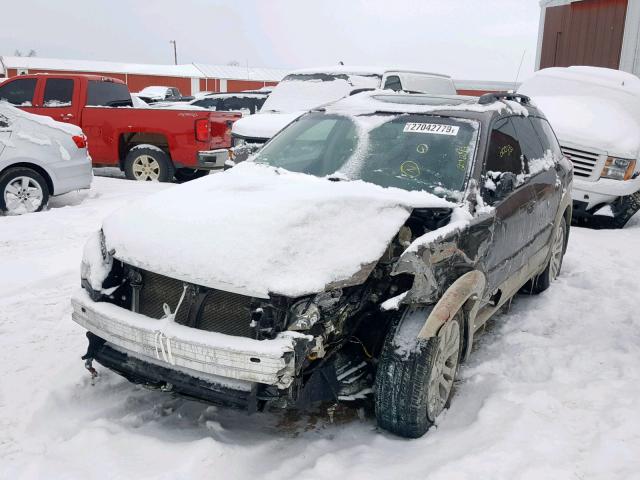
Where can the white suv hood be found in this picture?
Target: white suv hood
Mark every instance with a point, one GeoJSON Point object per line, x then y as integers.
{"type": "Point", "coordinates": [257, 230]}
{"type": "Point", "coordinates": [263, 125]}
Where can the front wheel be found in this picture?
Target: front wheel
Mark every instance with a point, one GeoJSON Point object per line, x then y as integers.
{"type": "Point", "coordinates": [148, 163]}
{"type": "Point", "coordinates": [414, 381]}
{"type": "Point", "coordinates": [22, 190]}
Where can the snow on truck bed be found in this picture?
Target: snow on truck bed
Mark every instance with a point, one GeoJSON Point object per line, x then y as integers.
{"type": "Point", "coordinates": [549, 393]}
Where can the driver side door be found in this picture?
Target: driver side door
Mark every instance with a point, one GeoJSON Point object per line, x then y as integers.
{"type": "Point", "coordinates": [513, 200]}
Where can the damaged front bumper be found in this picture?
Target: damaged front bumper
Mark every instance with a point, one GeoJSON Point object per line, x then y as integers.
{"type": "Point", "coordinates": [209, 356]}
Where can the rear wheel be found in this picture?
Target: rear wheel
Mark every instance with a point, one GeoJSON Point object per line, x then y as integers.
{"type": "Point", "coordinates": [540, 283]}
{"type": "Point", "coordinates": [414, 382]}
{"type": "Point", "coordinates": [188, 174]}
{"type": "Point", "coordinates": [148, 164]}
{"type": "Point", "coordinates": [22, 190]}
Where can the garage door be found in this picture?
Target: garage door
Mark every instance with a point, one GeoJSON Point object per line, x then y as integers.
{"type": "Point", "coordinates": [587, 32]}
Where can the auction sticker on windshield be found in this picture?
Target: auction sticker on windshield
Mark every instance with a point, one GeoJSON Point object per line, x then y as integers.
{"type": "Point", "coordinates": [437, 128]}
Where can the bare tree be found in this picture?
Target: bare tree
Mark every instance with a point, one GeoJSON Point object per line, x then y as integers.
{"type": "Point", "coordinates": [233, 63]}
{"type": "Point", "coordinates": [32, 53]}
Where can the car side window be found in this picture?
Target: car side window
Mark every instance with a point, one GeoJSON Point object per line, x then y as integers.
{"type": "Point", "coordinates": [529, 140]}
{"type": "Point", "coordinates": [504, 153]}
{"type": "Point", "coordinates": [58, 92]}
{"type": "Point", "coordinates": [547, 136]}
{"type": "Point", "coordinates": [19, 92]}
{"type": "Point", "coordinates": [393, 83]}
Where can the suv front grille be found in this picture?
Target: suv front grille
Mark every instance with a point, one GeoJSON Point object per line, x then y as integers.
{"type": "Point", "coordinates": [584, 162]}
{"type": "Point", "coordinates": [211, 310]}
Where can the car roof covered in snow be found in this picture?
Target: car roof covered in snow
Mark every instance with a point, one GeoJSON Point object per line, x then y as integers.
{"type": "Point", "coordinates": [361, 70]}
{"type": "Point", "coordinates": [383, 101]}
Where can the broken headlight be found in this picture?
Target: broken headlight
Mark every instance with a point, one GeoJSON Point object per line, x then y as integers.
{"type": "Point", "coordinates": [303, 315]}
{"type": "Point", "coordinates": [618, 168]}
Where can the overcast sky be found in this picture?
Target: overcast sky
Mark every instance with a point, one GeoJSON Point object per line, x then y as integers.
{"type": "Point", "coordinates": [468, 39]}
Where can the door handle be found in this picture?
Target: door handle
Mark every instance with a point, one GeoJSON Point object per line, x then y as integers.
{"type": "Point", "coordinates": [530, 206]}
{"type": "Point", "coordinates": [66, 116]}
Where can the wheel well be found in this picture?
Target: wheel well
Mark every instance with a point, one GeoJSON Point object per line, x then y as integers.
{"type": "Point", "coordinates": [129, 140]}
{"type": "Point", "coordinates": [36, 168]}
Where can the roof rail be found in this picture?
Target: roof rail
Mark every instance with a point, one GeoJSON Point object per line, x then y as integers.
{"type": "Point", "coordinates": [495, 96]}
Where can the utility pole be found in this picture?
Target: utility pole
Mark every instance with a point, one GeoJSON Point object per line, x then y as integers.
{"type": "Point", "coordinates": [175, 52]}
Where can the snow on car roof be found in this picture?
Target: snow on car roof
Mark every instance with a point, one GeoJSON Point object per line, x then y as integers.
{"type": "Point", "coordinates": [385, 101]}
{"type": "Point", "coordinates": [12, 112]}
{"type": "Point", "coordinates": [361, 70]}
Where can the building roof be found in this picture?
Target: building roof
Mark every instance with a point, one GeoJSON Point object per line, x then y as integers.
{"type": "Point", "coordinates": [191, 70]}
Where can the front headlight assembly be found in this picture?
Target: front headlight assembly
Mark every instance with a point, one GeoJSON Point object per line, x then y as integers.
{"type": "Point", "coordinates": [303, 315]}
{"type": "Point", "coordinates": [618, 168]}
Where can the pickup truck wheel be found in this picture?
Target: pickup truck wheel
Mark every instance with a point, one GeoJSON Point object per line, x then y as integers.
{"type": "Point", "coordinates": [414, 381]}
{"type": "Point", "coordinates": [22, 190]}
{"type": "Point", "coordinates": [540, 283]}
{"type": "Point", "coordinates": [148, 165]}
{"type": "Point", "coordinates": [187, 174]}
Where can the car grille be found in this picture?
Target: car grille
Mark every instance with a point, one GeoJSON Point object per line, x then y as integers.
{"type": "Point", "coordinates": [220, 311]}
{"type": "Point", "coordinates": [583, 162]}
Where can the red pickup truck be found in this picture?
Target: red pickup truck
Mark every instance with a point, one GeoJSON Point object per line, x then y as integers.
{"type": "Point", "coordinates": [148, 144]}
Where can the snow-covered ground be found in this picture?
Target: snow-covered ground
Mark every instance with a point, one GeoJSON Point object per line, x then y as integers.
{"type": "Point", "coordinates": [551, 391]}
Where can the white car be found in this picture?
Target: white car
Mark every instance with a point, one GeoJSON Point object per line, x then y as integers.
{"type": "Point", "coordinates": [39, 158]}
{"type": "Point", "coordinates": [303, 90]}
{"type": "Point", "coordinates": [595, 113]}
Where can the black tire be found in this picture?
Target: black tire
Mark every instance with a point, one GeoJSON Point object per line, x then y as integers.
{"type": "Point", "coordinates": [187, 174]}
{"type": "Point", "coordinates": [11, 175]}
{"type": "Point", "coordinates": [402, 381]}
{"type": "Point", "coordinates": [160, 166]}
{"type": "Point", "coordinates": [541, 282]}
{"type": "Point", "coordinates": [624, 208]}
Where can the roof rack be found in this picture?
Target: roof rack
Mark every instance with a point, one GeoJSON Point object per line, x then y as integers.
{"type": "Point", "coordinates": [495, 96]}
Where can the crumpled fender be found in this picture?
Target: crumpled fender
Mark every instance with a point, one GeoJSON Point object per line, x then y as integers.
{"type": "Point", "coordinates": [469, 286]}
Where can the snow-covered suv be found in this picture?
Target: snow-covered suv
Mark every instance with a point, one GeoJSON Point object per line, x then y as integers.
{"type": "Point", "coordinates": [358, 253]}
{"type": "Point", "coordinates": [596, 115]}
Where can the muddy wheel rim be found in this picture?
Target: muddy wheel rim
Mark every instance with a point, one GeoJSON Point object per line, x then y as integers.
{"type": "Point", "coordinates": [146, 168]}
{"type": "Point", "coordinates": [22, 195]}
{"type": "Point", "coordinates": [444, 368]}
{"type": "Point", "coordinates": [556, 252]}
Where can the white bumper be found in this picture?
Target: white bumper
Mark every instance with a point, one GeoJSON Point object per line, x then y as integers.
{"type": "Point", "coordinates": [604, 190]}
{"type": "Point", "coordinates": [270, 362]}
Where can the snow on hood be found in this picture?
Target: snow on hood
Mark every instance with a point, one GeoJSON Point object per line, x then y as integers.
{"type": "Point", "coordinates": [593, 122]}
{"type": "Point", "coordinates": [263, 125]}
{"type": "Point", "coordinates": [257, 230]}
{"type": "Point", "coordinates": [34, 123]}
{"type": "Point", "coordinates": [590, 106]}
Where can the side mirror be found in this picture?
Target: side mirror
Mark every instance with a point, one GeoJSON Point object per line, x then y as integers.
{"type": "Point", "coordinates": [506, 184]}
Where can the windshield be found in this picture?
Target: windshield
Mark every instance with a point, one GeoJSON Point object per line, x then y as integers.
{"type": "Point", "coordinates": [413, 152]}
{"type": "Point", "coordinates": [298, 92]}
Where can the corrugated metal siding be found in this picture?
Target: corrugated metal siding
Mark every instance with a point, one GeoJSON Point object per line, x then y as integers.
{"type": "Point", "coordinates": [138, 82]}
{"type": "Point", "coordinates": [588, 32]}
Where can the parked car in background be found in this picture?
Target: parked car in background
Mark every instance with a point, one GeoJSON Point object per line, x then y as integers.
{"type": "Point", "coordinates": [246, 102]}
{"type": "Point", "coordinates": [596, 114]}
{"type": "Point", "coordinates": [390, 228]}
{"type": "Point", "coordinates": [162, 94]}
{"type": "Point", "coordinates": [39, 158]}
{"type": "Point", "coordinates": [303, 90]}
{"type": "Point", "coordinates": [148, 145]}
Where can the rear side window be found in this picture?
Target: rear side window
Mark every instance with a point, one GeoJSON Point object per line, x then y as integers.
{"type": "Point", "coordinates": [504, 150]}
{"type": "Point", "coordinates": [529, 139]}
{"type": "Point", "coordinates": [58, 92]}
{"type": "Point", "coordinates": [393, 83]}
{"type": "Point", "coordinates": [108, 94]}
{"type": "Point", "coordinates": [19, 92]}
{"type": "Point", "coordinates": [547, 136]}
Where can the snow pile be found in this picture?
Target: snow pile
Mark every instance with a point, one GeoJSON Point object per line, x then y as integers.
{"type": "Point", "coordinates": [257, 230]}
{"type": "Point", "coordinates": [263, 125]}
{"type": "Point", "coordinates": [594, 107]}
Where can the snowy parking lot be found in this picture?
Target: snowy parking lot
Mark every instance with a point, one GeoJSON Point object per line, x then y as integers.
{"type": "Point", "coordinates": [550, 392]}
